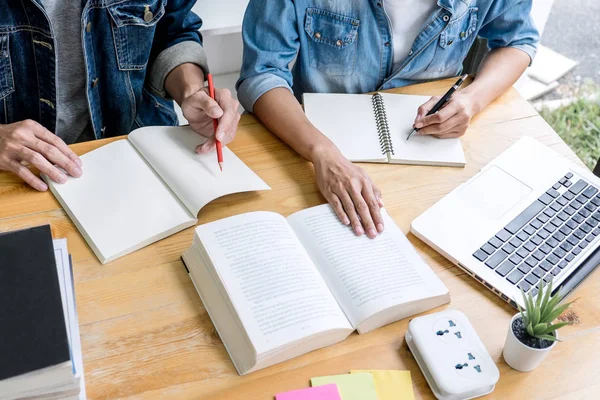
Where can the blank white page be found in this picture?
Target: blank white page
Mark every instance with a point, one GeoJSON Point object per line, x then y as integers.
{"type": "Point", "coordinates": [348, 120]}
{"type": "Point", "coordinates": [194, 178]}
{"type": "Point", "coordinates": [423, 150]}
{"type": "Point", "coordinates": [119, 204]}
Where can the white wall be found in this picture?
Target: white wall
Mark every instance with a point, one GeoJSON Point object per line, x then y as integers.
{"type": "Point", "coordinates": [540, 12]}
{"type": "Point", "coordinates": [221, 31]}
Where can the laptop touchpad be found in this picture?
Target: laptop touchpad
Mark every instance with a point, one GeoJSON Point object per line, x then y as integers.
{"type": "Point", "coordinates": [494, 192]}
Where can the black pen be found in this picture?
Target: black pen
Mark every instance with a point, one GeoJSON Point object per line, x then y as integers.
{"type": "Point", "coordinates": [445, 98]}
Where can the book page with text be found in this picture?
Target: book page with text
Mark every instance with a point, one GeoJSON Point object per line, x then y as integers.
{"type": "Point", "coordinates": [279, 295]}
{"type": "Point", "coordinates": [195, 178]}
{"type": "Point", "coordinates": [365, 275]}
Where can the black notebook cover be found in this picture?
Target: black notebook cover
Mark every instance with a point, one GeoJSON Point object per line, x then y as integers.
{"type": "Point", "coordinates": [32, 324]}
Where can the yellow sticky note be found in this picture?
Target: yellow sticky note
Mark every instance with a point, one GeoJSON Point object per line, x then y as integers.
{"type": "Point", "coordinates": [391, 385]}
{"type": "Point", "coordinates": [351, 387]}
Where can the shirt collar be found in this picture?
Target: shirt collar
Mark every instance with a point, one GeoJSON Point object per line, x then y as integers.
{"type": "Point", "coordinates": [449, 4]}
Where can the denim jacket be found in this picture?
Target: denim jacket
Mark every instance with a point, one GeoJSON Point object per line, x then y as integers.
{"type": "Point", "coordinates": [129, 48]}
{"type": "Point", "coordinates": [345, 45]}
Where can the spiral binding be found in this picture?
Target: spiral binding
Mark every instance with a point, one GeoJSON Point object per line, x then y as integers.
{"type": "Point", "coordinates": [383, 129]}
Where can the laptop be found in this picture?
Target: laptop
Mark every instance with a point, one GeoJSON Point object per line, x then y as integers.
{"type": "Point", "coordinates": [527, 216]}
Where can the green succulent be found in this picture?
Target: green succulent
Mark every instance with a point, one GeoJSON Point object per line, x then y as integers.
{"type": "Point", "coordinates": [540, 311]}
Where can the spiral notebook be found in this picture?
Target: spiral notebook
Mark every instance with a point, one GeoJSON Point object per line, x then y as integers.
{"type": "Point", "coordinates": [373, 128]}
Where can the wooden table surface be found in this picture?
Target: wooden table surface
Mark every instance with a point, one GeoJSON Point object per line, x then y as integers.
{"type": "Point", "coordinates": [146, 334]}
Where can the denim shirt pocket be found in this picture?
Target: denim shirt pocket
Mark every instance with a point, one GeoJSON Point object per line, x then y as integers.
{"type": "Point", "coordinates": [133, 31]}
{"type": "Point", "coordinates": [7, 85]}
{"type": "Point", "coordinates": [155, 111]}
{"type": "Point", "coordinates": [332, 41]}
{"type": "Point", "coordinates": [456, 41]}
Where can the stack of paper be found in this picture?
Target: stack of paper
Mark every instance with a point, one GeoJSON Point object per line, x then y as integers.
{"type": "Point", "coordinates": [40, 348]}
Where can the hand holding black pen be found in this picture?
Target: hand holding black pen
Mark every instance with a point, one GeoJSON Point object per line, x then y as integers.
{"type": "Point", "coordinates": [445, 98]}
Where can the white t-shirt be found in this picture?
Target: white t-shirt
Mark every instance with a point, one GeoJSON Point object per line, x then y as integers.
{"type": "Point", "coordinates": [407, 18]}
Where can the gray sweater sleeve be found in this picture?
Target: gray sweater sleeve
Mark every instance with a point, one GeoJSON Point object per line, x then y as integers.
{"type": "Point", "coordinates": [171, 58]}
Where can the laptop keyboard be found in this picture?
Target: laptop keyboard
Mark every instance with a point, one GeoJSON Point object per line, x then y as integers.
{"type": "Point", "coordinates": [547, 236]}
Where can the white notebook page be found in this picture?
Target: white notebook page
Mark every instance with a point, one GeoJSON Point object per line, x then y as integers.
{"type": "Point", "coordinates": [365, 275]}
{"type": "Point", "coordinates": [401, 112]}
{"type": "Point", "coordinates": [120, 204]}
{"type": "Point", "coordinates": [195, 178]}
{"type": "Point", "coordinates": [278, 293]}
{"type": "Point", "coordinates": [349, 121]}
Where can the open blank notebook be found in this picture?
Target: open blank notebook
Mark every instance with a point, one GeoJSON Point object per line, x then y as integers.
{"type": "Point", "coordinates": [373, 128]}
{"type": "Point", "coordinates": [137, 191]}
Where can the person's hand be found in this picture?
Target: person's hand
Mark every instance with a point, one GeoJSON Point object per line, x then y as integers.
{"type": "Point", "coordinates": [200, 110]}
{"type": "Point", "coordinates": [449, 122]}
{"type": "Point", "coordinates": [27, 142]}
{"type": "Point", "coordinates": [350, 191]}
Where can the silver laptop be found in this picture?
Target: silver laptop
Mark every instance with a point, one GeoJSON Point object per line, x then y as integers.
{"type": "Point", "coordinates": [527, 216]}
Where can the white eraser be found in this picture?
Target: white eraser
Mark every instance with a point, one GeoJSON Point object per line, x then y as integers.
{"type": "Point", "coordinates": [453, 359]}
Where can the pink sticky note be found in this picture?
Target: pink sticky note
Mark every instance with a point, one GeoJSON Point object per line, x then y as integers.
{"type": "Point", "coordinates": [325, 392]}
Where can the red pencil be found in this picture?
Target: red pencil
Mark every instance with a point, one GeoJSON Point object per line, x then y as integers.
{"type": "Point", "coordinates": [211, 91]}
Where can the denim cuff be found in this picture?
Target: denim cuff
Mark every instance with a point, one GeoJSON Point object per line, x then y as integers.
{"type": "Point", "coordinates": [252, 88]}
{"type": "Point", "coordinates": [171, 58]}
{"type": "Point", "coordinates": [530, 49]}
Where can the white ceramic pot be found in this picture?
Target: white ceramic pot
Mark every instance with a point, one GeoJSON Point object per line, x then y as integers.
{"type": "Point", "coordinates": [520, 356]}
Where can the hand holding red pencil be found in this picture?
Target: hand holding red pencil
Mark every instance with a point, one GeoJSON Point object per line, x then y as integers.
{"type": "Point", "coordinates": [214, 117]}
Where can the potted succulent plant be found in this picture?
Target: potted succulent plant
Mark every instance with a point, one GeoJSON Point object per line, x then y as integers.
{"type": "Point", "coordinates": [532, 334]}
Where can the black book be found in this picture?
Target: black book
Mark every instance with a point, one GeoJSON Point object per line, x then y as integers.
{"type": "Point", "coordinates": [32, 323]}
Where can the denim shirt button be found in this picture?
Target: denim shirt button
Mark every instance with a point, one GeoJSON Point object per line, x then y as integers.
{"type": "Point", "coordinates": [339, 42]}
{"type": "Point", "coordinates": [318, 35]}
{"type": "Point", "coordinates": [95, 82]}
{"type": "Point", "coordinates": [148, 14]}
{"type": "Point", "coordinates": [387, 44]}
{"type": "Point", "coordinates": [462, 35]}
{"type": "Point", "coordinates": [410, 53]}
{"type": "Point", "coordinates": [445, 18]}
{"type": "Point", "coordinates": [88, 27]}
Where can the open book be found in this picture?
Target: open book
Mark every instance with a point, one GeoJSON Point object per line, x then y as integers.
{"type": "Point", "coordinates": [137, 191]}
{"type": "Point", "coordinates": [276, 288]}
{"type": "Point", "coordinates": [373, 128]}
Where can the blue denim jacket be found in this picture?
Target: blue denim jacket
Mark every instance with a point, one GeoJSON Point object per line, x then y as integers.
{"type": "Point", "coordinates": [345, 45]}
{"type": "Point", "coordinates": [127, 53]}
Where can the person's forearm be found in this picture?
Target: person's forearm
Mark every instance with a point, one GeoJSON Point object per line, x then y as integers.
{"type": "Point", "coordinates": [184, 81]}
{"type": "Point", "coordinates": [281, 113]}
{"type": "Point", "coordinates": [498, 72]}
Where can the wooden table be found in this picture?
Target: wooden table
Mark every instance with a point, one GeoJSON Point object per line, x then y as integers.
{"type": "Point", "coordinates": [146, 333]}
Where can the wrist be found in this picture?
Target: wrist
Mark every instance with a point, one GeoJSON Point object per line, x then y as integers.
{"type": "Point", "coordinates": [184, 81]}
{"type": "Point", "coordinates": [191, 89]}
{"type": "Point", "coordinates": [322, 150]}
{"type": "Point", "coordinates": [476, 98]}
